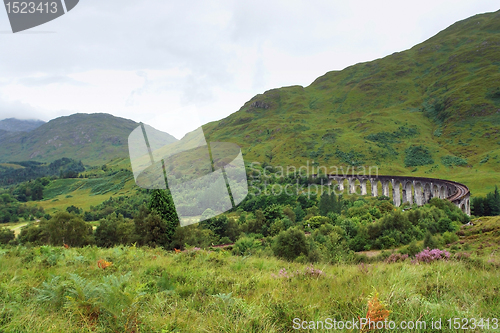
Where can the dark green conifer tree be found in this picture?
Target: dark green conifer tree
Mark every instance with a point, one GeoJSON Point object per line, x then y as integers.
{"type": "Point", "coordinates": [162, 203]}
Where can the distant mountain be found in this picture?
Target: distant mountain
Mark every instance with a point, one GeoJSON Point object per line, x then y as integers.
{"type": "Point", "coordinates": [17, 125]}
{"type": "Point", "coordinates": [432, 110]}
{"type": "Point", "coordinates": [92, 138]}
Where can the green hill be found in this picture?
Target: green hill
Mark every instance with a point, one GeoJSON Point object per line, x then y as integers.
{"type": "Point", "coordinates": [17, 125]}
{"type": "Point", "coordinates": [432, 111]}
{"type": "Point", "coordinates": [92, 138]}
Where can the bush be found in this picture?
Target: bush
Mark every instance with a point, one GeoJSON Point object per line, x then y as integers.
{"type": "Point", "coordinates": [6, 235]}
{"type": "Point", "coordinates": [192, 235]}
{"type": "Point", "coordinates": [66, 228]}
{"type": "Point", "coordinates": [225, 240]}
{"type": "Point", "coordinates": [150, 229]}
{"type": "Point", "coordinates": [417, 155]}
{"type": "Point", "coordinates": [290, 244]}
{"type": "Point", "coordinates": [114, 230]}
{"type": "Point", "coordinates": [74, 209]}
{"type": "Point", "coordinates": [412, 249]}
{"type": "Point", "coordinates": [430, 241]}
{"type": "Point", "coordinates": [445, 224]}
{"type": "Point", "coordinates": [449, 237]}
{"type": "Point", "coordinates": [316, 221]}
{"type": "Point", "coordinates": [36, 235]}
{"type": "Point", "coordinates": [246, 246]}
{"type": "Point", "coordinates": [450, 161]}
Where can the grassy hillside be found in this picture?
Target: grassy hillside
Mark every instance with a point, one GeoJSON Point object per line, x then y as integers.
{"type": "Point", "coordinates": [5, 135]}
{"type": "Point", "coordinates": [433, 110]}
{"type": "Point", "coordinates": [85, 192]}
{"type": "Point", "coordinates": [92, 138]}
{"type": "Point", "coordinates": [483, 238]}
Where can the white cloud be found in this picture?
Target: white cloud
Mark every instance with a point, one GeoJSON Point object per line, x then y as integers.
{"type": "Point", "coordinates": [19, 110]}
{"type": "Point", "coordinates": [44, 80]}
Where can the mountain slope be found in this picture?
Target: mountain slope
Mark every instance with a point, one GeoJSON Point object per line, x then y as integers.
{"type": "Point", "coordinates": [433, 110]}
{"type": "Point", "coordinates": [91, 138]}
{"type": "Point", "coordinates": [17, 125]}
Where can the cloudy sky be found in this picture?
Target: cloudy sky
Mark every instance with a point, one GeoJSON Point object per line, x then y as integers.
{"type": "Point", "coordinates": [177, 64]}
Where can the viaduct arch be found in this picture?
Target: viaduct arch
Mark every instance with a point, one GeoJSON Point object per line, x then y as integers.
{"type": "Point", "coordinates": [417, 190]}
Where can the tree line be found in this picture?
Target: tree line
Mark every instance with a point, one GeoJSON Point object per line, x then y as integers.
{"type": "Point", "coordinates": [31, 170]}
{"type": "Point", "coordinates": [338, 226]}
{"type": "Point", "coordinates": [488, 205]}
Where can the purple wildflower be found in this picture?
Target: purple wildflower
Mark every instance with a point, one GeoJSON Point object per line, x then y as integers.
{"type": "Point", "coordinates": [429, 255]}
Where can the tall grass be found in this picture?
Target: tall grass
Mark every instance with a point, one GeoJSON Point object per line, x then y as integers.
{"type": "Point", "coordinates": [150, 290]}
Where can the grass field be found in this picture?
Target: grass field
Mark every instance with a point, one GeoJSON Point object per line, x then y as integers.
{"type": "Point", "coordinates": [47, 289]}
{"type": "Point", "coordinates": [85, 192]}
{"type": "Point", "coordinates": [17, 227]}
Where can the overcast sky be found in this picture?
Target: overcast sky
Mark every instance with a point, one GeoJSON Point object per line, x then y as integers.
{"type": "Point", "coordinates": [166, 62]}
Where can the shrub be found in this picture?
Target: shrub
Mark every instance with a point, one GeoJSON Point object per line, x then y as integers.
{"type": "Point", "coordinates": [316, 221]}
{"type": "Point", "coordinates": [273, 212]}
{"type": "Point", "coordinates": [150, 229]}
{"type": "Point", "coordinates": [246, 246]}
{"type": "Point", "coordinates": [6, 235]}
{"type": "Point", "coordinates": [37, 235]}
{"type": "Point", "coordinates": [114, 230]}
{"type": "Point", "coordinates": [192, 235]}
{"type": "Point", "coordinates": [445, 224]}
{"type": "Point", "coordinates": [449, 237]}
{"type": "Point", "coordinates": [225, 240]}
{"type": "Point", "coordinates": [450, 161]}
{"type": "Point", "coordinates": [288, 212]}
{"type": "Point", "coordinates": [290, 244]}
{"type": "Point", "coordinates": [66, 228]}
{"type": "Point", "coordinates": [430, 241]}
{"type": "Point", "coordinates": [74, 209]}
{"type": "Point", "coordinates": [417, 155]}
{"type": "Point", "coordinates": [412, 249]}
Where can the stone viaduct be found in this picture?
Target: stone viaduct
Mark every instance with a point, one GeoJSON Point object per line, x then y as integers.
{"type": "Point", "coordinates": [417, 190]}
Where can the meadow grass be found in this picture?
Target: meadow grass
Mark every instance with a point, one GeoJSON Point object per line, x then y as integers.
{"type": "Point", "coordinates": [48, 289]}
